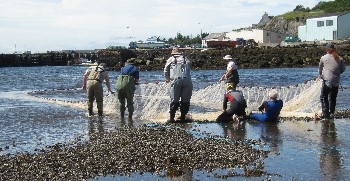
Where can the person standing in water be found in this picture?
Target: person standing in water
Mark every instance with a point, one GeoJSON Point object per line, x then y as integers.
{"type": "Point", "coordinates": [231, 74]}
{"type": "Point", "coordinates": [92, 81]}
{"type": "Point", "coordinates": [330, 67]}
{"type": "Point", "coordinates": [126, 86]}
{"type": "Point", "coordinates": [177, 69]}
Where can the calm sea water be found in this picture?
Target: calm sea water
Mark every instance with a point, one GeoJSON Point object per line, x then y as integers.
{"type": "Point", "coordinates": [301, 150]}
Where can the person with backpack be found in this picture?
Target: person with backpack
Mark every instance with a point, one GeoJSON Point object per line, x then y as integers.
{"type": "Point", "coordinates": [92, 81]}
{"type": "Point", "coordinates": [177, 70]}
{"type": "Point", "coordinates": [126, 86]}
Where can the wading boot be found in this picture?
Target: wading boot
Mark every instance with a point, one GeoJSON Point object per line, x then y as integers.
{"type": "Point", "coordinates": [91, 113]}
{"type": "Point", "coordinates": [100, 113]}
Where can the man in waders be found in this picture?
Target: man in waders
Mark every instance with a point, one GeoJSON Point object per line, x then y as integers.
{"type": "Point", "coordinates": [92, 81]}
{"type": "Point", "coordinates": [177, 69]}
{"type": "Point", "coordinates": [126, 82]}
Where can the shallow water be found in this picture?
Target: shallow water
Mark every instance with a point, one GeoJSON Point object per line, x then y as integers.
{"type": "Point", "coordinates": [299, 149]}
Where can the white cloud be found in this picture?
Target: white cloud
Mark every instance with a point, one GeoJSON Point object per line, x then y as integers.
{"type": "Point", "coordinates": [41, 25]}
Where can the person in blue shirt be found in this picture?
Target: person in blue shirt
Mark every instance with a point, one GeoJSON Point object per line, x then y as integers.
{"type": "Point", "coordinates": [272, 108]}
{"type": "Point", "coordinates": [126, 83]}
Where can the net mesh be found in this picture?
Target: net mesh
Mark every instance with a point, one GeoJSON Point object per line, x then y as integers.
{"type": "Point", "coordinates": [152, 100]}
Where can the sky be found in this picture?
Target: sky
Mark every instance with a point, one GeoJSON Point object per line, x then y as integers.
{"type": "Point", "coordinates": [53, 25]}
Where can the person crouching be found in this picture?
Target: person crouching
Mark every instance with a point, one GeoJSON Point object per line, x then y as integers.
{"type": "Point", "coordinates": [237, 104]}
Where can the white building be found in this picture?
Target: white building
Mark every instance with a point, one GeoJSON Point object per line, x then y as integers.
{"type": "Point", "coordinates": [259, 35]}
{"type": "Point", "coordinates": [326, 27]}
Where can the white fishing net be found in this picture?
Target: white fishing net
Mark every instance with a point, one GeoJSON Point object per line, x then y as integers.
{"type": "Point", "coordinates": [152, 100]}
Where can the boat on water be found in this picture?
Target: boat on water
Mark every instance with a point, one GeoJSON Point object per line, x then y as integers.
{"type": "Point", "coordinates": [86, 62]}
{"type": "Point", "coordinates": [152, 42]}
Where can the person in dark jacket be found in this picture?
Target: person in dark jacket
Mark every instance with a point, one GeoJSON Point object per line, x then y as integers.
{"type": "Point", "coordinates": [126, 86]}
{"type": "Point", "coordinates": [231, 75]}
{"type": "Point", "coordinates": [330, 67]}
{"type": "Point", "coordinates": [272, 108]}
{"type": "Point", "coordinates": [237, 104]}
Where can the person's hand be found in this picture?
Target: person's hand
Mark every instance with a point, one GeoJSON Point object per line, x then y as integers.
{"type": "Point", "coordinates": [84, 87]}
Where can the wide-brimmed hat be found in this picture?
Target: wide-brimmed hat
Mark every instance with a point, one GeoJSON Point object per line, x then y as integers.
{"type": "Point", "coordinates": [227, 57]}
{"type": "Point", "coordinates": [273, 94]}
{"type": "Point", "coordinates": [330, 45]}
{"type": "Point", "coordinates": [130, 61]}
{"type": "Point", "coordinates": [176, 51]}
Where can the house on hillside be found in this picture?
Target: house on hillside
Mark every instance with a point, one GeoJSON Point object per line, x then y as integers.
{"type": "Point", "coordinates": [332, 26]}
{"type": "Point", "coordinates": [259, 35]}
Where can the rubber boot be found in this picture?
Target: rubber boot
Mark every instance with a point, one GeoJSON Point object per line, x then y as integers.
{"type": "Point", "coordinates": [325, 108]}
{"type": "Point", "coordinates": [100, 113]}
{"type": "Point", "coordinates": [173, 108]}
{"type": "Point", "coordinates": [90, 113]}
{"type": "Point", "coordinates": [184, 108]}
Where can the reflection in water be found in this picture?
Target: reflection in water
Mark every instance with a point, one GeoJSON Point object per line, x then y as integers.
{"type": "Point", "coordinates": [234, 130]}
{"type": "Point", "coordinates": [330, 161]}
{"type": "Point", "coordinates": [270, 134]}
{"type": "Point", "coordinates": [127, 122]}
{"type": "Point", "coordinates": [99, 130]}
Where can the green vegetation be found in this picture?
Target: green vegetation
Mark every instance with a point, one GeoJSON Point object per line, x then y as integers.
{"type": "Point", "coordinates": [186, 40]}
{"type": "Point", "coordinates": [321, 8]}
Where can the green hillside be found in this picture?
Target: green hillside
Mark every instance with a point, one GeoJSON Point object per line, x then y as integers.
{"type": "Point", "coordinates": [321, 8]}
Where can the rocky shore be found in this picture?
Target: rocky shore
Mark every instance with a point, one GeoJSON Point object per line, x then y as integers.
{"type": "Point", "coordinates": [265, 57]}
{"type": "Point", "coordinates": [160, 150]}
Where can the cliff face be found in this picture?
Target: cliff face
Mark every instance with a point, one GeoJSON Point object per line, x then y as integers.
{"type": "Point", "coordinates": [287, 27]}
{"type": "Point", "coordinates": [279, 24]}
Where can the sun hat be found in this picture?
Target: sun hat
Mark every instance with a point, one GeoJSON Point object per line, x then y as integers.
{"type": "Point", "coordinates": [273, 94]}
{"type": "Point", "coordinates": [330, 45]}
{"type": "Point", "coordinates": [176, 51]}
{"type": "Point", "coordinates": [228, 57]}
{"type": "Point", "coordinates": [130, 61]}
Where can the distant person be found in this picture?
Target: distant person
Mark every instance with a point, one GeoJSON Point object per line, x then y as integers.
{"type": "Point", "coordinates": [330, 67]}
{"type": "Point", "coordinates": [231, 74]}
{"type": "Point", "coordinates": [177, 69]}
{"type": "Point", "coordinates": [272, 108]}
{"type": "Point", "coordinates": [237, 104]}
{"type": "Point", "coordinates": [92, 81]}
{"type": "Point", "coordinates": [126, 83]}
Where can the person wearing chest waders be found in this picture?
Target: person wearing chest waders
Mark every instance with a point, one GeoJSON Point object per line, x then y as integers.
{"type": "Point", "coordinates": [330, 67]}
{"type": "Point", "coordinates": [231, 74]}
{"type": "Point", "coordinates": [177, 70]}
{"type": "Point", "coordinates": [272, 108]}
{"type": "Point", "coordinates": [126, 86]}
{"type": "Point", "coordinates": [237, 104]}
{"type": "Point", "coordinates": [92, 81]}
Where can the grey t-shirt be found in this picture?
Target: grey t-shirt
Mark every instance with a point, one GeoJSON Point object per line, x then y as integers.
{"type": "Point", "coordinates": [330, 69]}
